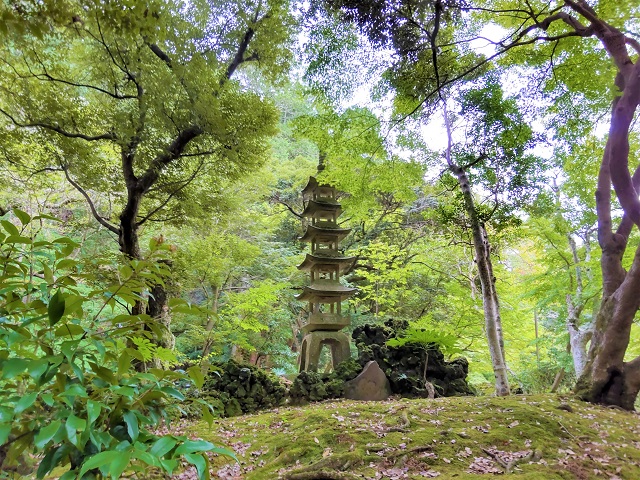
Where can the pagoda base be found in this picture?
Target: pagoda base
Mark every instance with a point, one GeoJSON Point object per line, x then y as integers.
{"type": "Point", "coordinates": [325, 322]}
{"type": "Point", "coordinates": [312, 344]}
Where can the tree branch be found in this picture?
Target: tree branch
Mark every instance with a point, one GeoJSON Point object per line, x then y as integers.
{"type": "Point", "coordinates": [239, 56]}
{"type": "Point", "coordinates": [173, 151]}
{"type": "Point", "coordinates": [100, 219]}
{"type": "Point", "coordinates": [185, 183]}
{"type": "Point", "coordinates": [61, 131]}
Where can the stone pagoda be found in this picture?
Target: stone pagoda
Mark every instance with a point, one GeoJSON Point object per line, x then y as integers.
{"type": "Point", "coordinates": [325, 265]}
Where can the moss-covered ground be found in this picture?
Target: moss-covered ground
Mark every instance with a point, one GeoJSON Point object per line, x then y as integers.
{"type": "Point", "coordinates": [532, 437]}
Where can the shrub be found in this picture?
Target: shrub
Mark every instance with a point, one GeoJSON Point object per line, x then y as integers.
{"type": "Point", "coordinates": [71, 395]}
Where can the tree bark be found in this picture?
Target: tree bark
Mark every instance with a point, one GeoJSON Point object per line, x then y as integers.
{"type": "Point", "coordinates": [607, 378]}
{"type": "Point", "coordinates": [491, 306]}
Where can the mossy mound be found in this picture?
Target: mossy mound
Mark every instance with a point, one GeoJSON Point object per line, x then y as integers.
{"type": "Point", "coordinates": [243, 388]}
{"type": "Point", "coordinates": [528, 437]}
{"type": "Point", "coordinates": [405, 365]}
{"type": "Point", "coordinates": [314, 387]}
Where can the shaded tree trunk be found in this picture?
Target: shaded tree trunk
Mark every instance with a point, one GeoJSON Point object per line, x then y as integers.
{"type": "Point", "coordinates": [490, 303]}
{"type": "Point", "coordinates": [208, 343]}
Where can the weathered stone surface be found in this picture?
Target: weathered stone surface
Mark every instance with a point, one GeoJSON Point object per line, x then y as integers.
{"type": "Point", "coordinates": [404, 366]}
{"type": "Point", "coordinates": [371, 384]}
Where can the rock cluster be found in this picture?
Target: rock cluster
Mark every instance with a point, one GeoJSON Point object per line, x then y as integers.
{"type": "Point", "coordinates": [244, 388]}
{"type": "Point", "coordinates": [314, 387]}
{"type": "Point", "coordinates": [404, 366]}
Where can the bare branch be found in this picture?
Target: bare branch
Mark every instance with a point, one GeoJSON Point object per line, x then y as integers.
{"type": "Point", "coordinates": [60, 130]}
{"type": "Point", "coordinates": [95, 213]}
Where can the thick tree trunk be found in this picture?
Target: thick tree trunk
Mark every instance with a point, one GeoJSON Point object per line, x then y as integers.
{"type": "Point", "coordinates": [491, 306]}
{"type": "Point", "coordinates": [607, 378]}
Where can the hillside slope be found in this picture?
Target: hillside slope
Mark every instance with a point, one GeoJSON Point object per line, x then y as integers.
{"type": "Point", "coordinates": [531, 437]}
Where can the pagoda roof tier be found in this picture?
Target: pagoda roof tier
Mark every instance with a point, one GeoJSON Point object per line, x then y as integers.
{"type": "Point", "coordinates": [324, 234]}
{"type": "Point", "coordinates": [318, 259]}
{"type": "Point", "coordinates": [320, 206]}
{"type": "Point", "coordinates": [329, 292]}
{"type": "Point", "coordinates": [313, 187]}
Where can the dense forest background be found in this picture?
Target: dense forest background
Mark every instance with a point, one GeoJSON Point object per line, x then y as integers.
{"type": "Point", "coordinates": [468, 140]}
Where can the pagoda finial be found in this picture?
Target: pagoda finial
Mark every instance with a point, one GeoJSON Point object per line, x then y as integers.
{"type": "Point", "coordinates": [321, 158]}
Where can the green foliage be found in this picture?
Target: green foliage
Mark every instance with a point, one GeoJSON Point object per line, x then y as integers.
{"type": "Point", "coordinates": [119, 92]}
{"type": "Point", "coordinates": [447, 343]}
{"type": "Point", "coordinates": [70, 390]}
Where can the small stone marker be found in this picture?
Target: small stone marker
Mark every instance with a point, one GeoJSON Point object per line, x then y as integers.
{"type": "Point", "coordinates": [371, 384]}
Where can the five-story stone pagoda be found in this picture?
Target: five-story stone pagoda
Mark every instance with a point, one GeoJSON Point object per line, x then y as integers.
{"type": "Point", "coordinates": [325, 265]}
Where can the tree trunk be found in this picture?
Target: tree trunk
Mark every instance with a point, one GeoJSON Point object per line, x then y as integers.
{"type": "Point", "coordinates": [578, 337]}
{"type": "Point", "coordinates": [493, 322]}
{"type": "Point", "coordinates": [208, 343]}
{"type": "Point", "coordinates": [607, 378]}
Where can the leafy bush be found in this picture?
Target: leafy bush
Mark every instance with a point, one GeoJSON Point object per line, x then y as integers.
{"type": "Point", "coordinates": [71, 394]}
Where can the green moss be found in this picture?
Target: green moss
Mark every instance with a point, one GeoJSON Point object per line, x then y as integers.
{"type": "Point", "coordinates": [574, 439]}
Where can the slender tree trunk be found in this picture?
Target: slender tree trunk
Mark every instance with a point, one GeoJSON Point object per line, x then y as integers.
{"type": "Point", "coordinates": [578, 337]}
{"type": "Point", "coordinates": [535, 324]}
{"type": "Point", "coordinates": [491, 306]}
{"type": "Point", "coordinates": [208, 343]}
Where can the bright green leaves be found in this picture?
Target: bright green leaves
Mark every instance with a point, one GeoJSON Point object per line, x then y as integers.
{"type": "Point", "coordinates": [70, 390]}
{"type": "Point", "coordinates": [195, 373]}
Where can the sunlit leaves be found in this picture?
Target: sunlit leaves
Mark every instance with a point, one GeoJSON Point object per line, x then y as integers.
{"type": "Point", "coordinates": [70, 390]}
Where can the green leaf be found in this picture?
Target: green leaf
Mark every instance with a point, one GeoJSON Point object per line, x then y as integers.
{"type": "Point", "coordinates": [124, 363]}
{"type": "Point", "coordinates": [132, 425]}
{"type": "Point", "coordinates": [5, 431]}
{"type": "Point", "coordinates": [10, 228]}
{"type": "Point", "coordinates": [55, 309]}
{"type": "Point", "coordinates": [119, 464]}
{"type": "Point", "coordinates": [48, 399]}
{"type": "Point", "coordinates": [169, 465]}
{"type": "Point", "coordinates": [146, 457]}
{"type": "Point", "coordinates": [38, 367]}
{"type": "Point", "coordinates": [69, 330]}
{"type": "Point", "coordinates": [98, 460]}
{"type": "Point", "coordinates": [66, 263]}
{"type": "Point", "coordinates": [206, 414]}
{"type": "Point", "coordinates": [201, 463]}
{"type": "Point", "coordinates": [17, 239]}
{"type": "Point", "coordinates": [76, 422]}
{"type": "Point", "coordinates": [194, 446]}
{"type": "Point", "coordinates": [172, 392]}
{"type": "Point", "coordinates": [104, 373]}
{"type": "Point", "coordinates": [124, 391]}
{"type": "Point", "coordinates": [195, 373]}
{"type": "Point", "coordinates": [13, 367]}
{"type": "Point", "coordinates": [49, 461]}
{"type": "Point", "coordinates": [46, 433]}
{"type": "Point", "coordinates": [25, 402]}
{"type": "Point", "coordinates": [163, 445]}
{"type": "Point", "coordinates": [24, 217]}
{"type": "Point", "coordinates": [93, 411]}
